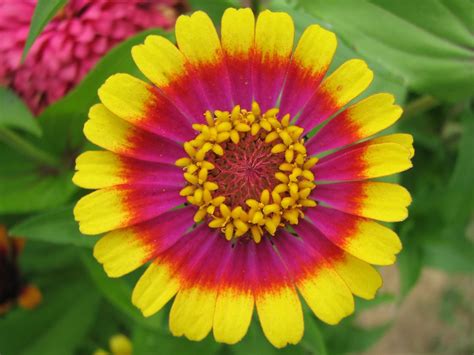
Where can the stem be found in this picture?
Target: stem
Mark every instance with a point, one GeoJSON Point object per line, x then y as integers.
{"type": "Point", "coordinates": [420, 105]}
{"type": "Point", "coordinates": [26, 148]}
{"type": "Point", "coordinates": [256, 6]}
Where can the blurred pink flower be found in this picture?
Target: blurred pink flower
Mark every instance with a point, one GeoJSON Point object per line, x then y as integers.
{"type": "Point", "coordinates": [71, 43]}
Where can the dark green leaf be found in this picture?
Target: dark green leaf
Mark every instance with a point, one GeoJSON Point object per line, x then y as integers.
{"type": "Point", "coordinates": [56, 226]}
{"type": "Point", "coordinates": [425, 44]}
{"type": "Point", "coordinates": [410, 260]}
{"type": "Point", "coordinates": [15, 114]}
{"type": "Point", "coordinates": [56, 327]}
{"type": "Point", "coordinates": [214, 8]}
{"type": "Point", "coordinates": [313, 340]}
{"type": "Point", "coordinates": [146, 341]}
{"type": "Point", "coordinates": [44, 12]}
{"type": "Point", "coordinates": [26, 186]}
{"type": "Point", "coordinates": [384, 80]}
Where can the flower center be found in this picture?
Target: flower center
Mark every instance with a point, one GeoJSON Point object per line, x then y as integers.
{"type": "Point", "coordinates": [247, 172]}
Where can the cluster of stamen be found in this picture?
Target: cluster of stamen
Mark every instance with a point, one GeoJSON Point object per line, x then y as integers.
{"type": "Point", "coordinates": [237, 153]}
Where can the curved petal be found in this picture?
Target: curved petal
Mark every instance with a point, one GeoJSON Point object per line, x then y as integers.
{"type": "Point", "coordinates": [322, 288]}
{"type": "Point", "coordinates": [124, 250]}
{"type": "Point", "coordinates": [162, 280]}
{"type": "Point", "coordinates": [362, 279]}
{"type": "Point", "coordinates": [122, 206]}
{"type": "Point", "coordinates": [403, 139]}
{"type": "Point", "coordinates": [309, 64]}
{"type": "Point", "coordinates": [361, 237]}
{"type": "Point", "coordinates": [165, 66]}
{"type": "Point", "coordinates": [359, 121]}
{"type": "Point", "coordinates": [112, 133]}
{"type": "Point", "coordinates": [274, 35]}
{"type": "Point", "coordinates": [343, 85]}
{"type": "Point", "coordinates": [198, 40]}
{"type": "Point", "coordinates": [378, 200]}
{"type": "Point", "coordinates": [235, 300]}
{"type": "Point", "coordinates": [145, 106]}
{"type": "Point", "coordinates": [99, 169]}
{"type": "Point", "coordinates": [192, 313]}
{"type": "Point", "coordinates": [366, 160]}
{"type": "Point", "coordinates": [278, 305]}
{"type": "Point", "coordinates": [237, 36]}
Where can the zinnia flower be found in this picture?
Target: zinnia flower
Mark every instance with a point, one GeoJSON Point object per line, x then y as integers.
{"type": "Point", "coordinates": [71, 43]}
{"type": "Point", "coordinates": [13, 287]}
{"type": "Point", "coordinates": [210, 175]}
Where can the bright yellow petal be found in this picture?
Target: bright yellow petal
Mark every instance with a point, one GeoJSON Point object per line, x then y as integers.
{"type": "Point", "coordinates": [120, 252]}
{"type": "Point", "coordinates": [327, 295]}
{"type": "Point", "coordinates": [373, 243]}
{"type": "Point", "coordinates": [238, 31]}
{"type": "Point", "coordinates": [126, 96]}
{"type": "Point", "coordinates": [107, 130]}
{"type": "Point", "coordinates": [155, 288]}
{"type": "Point", "coordinates": [315, 49]}
{"type": "Point", "coordinates": [100, 211]}
{"type": "Point", "coordinates": [232, 316]}
{"type": "Point", "coordinates": [274, 35]}
{"type": "Point", "coordinates": [159, 60]}
{"type": "Point", "coordinates": [373, 114]}
{"type": "Point", "coordinates": [97, 169]}
{"type": "Point", "coordinates": [192, 313]}
{"type": "Point", "coordinates": [385, 202]}
{"type": "Point", "coordinates": [347, 81]}
{"type": "Point", "coordinates": [362, 279]}
{"type": "Point", "coordinates": [404, 139]}
{"type": "Point", "coordinates": [385, 159]}
{"type": "Point", "coordinates": [281, 317]}
{"type": "Point", "coordinates": [197, 38]}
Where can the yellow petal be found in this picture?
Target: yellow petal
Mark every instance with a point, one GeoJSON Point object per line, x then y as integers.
{"type": "Point", "coordinates": [192, 313]}
{"type": "Point", "coordinates": [197, 38]}
{"type": "Point", "coordinates": [155, 288]}
{"type": "Point", "coordinates": [347, 81]}
{"type": "Point", "coordinates": [232, 316]}
{"type": "Point", "coordinates": [120, 252]}
{"type": "Point", "coordinates": [327, 295]}
{"type": "Point", "coordinates": [159, 60]}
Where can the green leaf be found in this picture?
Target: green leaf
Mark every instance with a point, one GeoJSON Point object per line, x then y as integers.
{"type": "Point", "coordinates": [214, 8]}
{"type": "Point", "coordinates": [410, 260]}
{"type": "Point", "coordinates": [460, 189]}
{"type": "Point", "coordinates": [384, 80]}
{"type": "Point", "coordinates": [34, 258]}
{"type": "Point", "coordinates": [146, 341]}
{"type": "Point", "coordinates": [27, 186]}
{"type": "Point", "coordinates": [56, 327]}
{"type": "Point", "coordinates": [348, 338]}
{"type": "Point", "coordinates": [410, 264]}
{"type": "Point", "coordinates": [15, 114]}
{"type": "Point", "coordinates": [313, 339]}
{"type": "Point", "coordinates": [424, 43]}
{"type": "Point", "coordinates": [44, 12]}
{"type": "Point", "coordinates": [58, 227]}
{"type": "Point", "coordinates": [452, 254]}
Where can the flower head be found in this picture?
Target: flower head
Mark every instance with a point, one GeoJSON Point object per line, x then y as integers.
{"type": "Point", "coordinates": [13, 288]}
{"type": "Point", "coordinates": [210, 175]}
{"type": "Point", "coordinates": [71, 43]}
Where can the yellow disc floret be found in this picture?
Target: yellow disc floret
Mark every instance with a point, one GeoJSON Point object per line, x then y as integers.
{"type": "Point", "coordinates": [248, 173]}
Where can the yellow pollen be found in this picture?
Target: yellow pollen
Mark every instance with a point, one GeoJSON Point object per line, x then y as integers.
{"type": "Point", "coordinates": [272, 209]}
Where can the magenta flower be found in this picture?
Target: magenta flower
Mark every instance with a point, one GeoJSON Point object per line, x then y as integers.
{"type": "Point", "coordinates": [71, 43]}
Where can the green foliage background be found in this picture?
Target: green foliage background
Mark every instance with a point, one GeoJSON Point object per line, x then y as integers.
{"type": "Point", "coordinates": [422, 51]}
